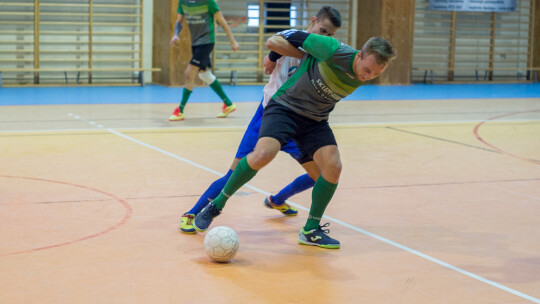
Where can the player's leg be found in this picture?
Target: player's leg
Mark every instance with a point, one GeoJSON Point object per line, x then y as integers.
{"type": "Point", "coordinates": [300, 184]}
{"type": "Point", "coordinates": [321, 140]}
{"type": "Point", "coordinates": [277, 126]}
{"type": "Point", "coordinates": [190, 73]}
{"type": "Point", "coordinates": [215, 85]}
{"type": "Point", "coordinates": [247, 144]}
{"type": "Point", "coordinates": [207, 76]}
{"type": "Point", "coordinates": [265, 150]}
{"type": "Point", "coordinates": [186, 221]}
{"type": "Point", "coordinates": [330, 163]}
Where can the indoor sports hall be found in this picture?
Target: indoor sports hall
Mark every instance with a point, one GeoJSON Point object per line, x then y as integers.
{"type": "Point", "coordinates": [438, 199]}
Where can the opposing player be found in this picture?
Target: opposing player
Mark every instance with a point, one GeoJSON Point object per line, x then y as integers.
{"type": "Point", "coordinates": [326, 22]}
{"type": "Point", "coordinates": [299, 110]}
{"type": "Point", "coordinates": [200, 15]}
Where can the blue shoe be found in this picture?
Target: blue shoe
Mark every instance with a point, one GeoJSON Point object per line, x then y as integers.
{"type": "Point", "coordinates": [284, 208]}
{"type": "Point", "coordinates": [203, 220]}
{"type": "Point", "coordinates": [318, 237]}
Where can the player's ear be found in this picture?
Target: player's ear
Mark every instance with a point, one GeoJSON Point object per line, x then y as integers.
{"type": "Point", "coordinates": [313, 20]}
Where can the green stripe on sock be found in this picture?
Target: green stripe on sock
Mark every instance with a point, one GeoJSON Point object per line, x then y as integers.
{"type": "Point", "coordinates": [216, 86]}
{"type": "Point", "coordinates": [240, 176]}
{"type": "Point", "coordinates": [322, 193]}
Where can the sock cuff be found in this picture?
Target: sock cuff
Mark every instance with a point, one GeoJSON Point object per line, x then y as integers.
{"type": "Point", "coordinates": [215, 83]}
{"type": "Point", "coordinates": [326, 184]}
{"type": "Point", "coordinates": [243, 162]}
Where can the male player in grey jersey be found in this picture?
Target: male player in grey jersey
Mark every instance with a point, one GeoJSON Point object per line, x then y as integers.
{"type": "Point", "coordinates": [299, 110]}
{"type": "Point", "coordinates": [200, 15]}
{"type": "Point", "coordinates": [326, 22]}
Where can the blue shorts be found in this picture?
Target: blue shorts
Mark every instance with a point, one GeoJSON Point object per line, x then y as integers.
{"type": "Point", "coordinates": [252, 135]}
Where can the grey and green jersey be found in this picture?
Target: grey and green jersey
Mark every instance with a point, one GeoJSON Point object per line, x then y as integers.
{"type": "Point", "coordinates": [324, 77]}
{"type": "Point", "coordinates": [199, 15]}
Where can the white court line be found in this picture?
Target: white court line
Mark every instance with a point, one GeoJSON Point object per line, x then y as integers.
{"type": "Point", "coordinates": [380, 238]}
{"type": "Point", "coordinates": [343, 124]}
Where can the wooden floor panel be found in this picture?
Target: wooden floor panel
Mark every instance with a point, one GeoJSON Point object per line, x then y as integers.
{"type": "Point", "coordinates": [438, 203]}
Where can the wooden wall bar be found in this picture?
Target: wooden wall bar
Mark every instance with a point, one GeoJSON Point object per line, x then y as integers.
{"type": "Point", "coordinates": [393, 20]}
{"type": "Point", "coordinates": [536, 38]}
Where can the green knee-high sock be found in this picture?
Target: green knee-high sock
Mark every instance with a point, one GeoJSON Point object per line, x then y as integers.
{"type": "Point", "coordinates": [185, 96]}
{"type": "Point", "coordinates": [216, 86]}
{"type": "Point", "coordinates": [320, 197]}
{"type": "Point", "coordinates": [241, 175]}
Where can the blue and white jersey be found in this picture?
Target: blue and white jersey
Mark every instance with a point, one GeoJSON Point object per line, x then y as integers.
{"type": "Point", "coordinates": [285, 67]}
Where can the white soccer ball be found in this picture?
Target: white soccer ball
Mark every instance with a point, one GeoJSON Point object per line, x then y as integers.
{"type": "Point", "coordinates": [221, 243]}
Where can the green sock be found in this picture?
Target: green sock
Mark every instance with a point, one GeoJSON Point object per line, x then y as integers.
{"type": "Point", "coordinates": [216, 86]}
{"type": "Point", "coordinates": [320, 197]}
{"type": "Point", "coordinates": [241, 175]}
{"type": "Point", "coordinates": [185, 97]}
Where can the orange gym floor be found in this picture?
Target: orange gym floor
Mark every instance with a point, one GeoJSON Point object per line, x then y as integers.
{"type": "Point", "coordinates": [438, 202]}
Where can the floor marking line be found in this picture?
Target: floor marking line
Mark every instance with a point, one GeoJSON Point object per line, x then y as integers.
{"type": "Point", "coordinates": [242, 127]}
{"type": "Point", "coordinates": [375, 236]}
{"type": "Point", "coordinates": [162, 151]}
{"type": "Point", "coordinates": [495, 118]}
{"type": "Point", "coordinates": [442, 139]}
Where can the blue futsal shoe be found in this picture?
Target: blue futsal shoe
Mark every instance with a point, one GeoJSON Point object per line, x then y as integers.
{"type": "Point", "coordinates": [318, 237]}
{"type": "Point", "coordinates": [203, 220]}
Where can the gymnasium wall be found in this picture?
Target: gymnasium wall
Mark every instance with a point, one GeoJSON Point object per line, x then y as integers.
{"type": "Point", "coordinates": [99, 42]}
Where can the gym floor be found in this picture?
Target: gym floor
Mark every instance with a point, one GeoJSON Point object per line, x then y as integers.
{"type": "Point", "coordinates": [438, 200]}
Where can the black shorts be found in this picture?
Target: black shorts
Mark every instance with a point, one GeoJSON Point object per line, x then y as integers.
{"type": "Point", "coordinates": [282, 123]}
{"type": "Point", "coordinates": [201, 55]}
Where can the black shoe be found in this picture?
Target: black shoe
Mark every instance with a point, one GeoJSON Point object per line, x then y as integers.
{"type": "Point", "coordinates": [203, 220]}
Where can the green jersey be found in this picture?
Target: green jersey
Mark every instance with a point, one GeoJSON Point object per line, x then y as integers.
{"type": "Point", "coordinates": [324, 77]}
{"type": "Point", "coordinates": [199, 15]}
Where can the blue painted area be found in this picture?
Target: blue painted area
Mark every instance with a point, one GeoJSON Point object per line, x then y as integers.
{"type": "Point", "coordinates": [161, 94]}
{"type": "Point", "coordinates": [446, 91]}
{"type": "Point", "coordinates": [120, 95]}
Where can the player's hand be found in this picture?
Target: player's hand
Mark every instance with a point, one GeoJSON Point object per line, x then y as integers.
{"type": "Point", "coordinates": [173, 40]}
{"type": "Point", "coordinates": [235, 46]}
{"type": "Point", "coordinates": [269, 65]}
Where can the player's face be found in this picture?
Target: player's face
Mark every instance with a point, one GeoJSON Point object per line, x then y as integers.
{"type": "Point", "coordinates": [367, 68]}
{"type": "Point", "coordinates": [322, 26]}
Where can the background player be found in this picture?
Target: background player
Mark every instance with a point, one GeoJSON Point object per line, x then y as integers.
{"type": "Point", "coordinates": [200, 15]}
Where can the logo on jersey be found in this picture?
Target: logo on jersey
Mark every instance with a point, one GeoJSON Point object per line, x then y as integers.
{"type": "Point", "coordinates": [324, 91]}
{"type": "Point", "coordinates": [291, 70]}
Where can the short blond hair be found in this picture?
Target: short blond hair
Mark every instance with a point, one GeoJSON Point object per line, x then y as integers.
{"type": "Point", "coordinates": [382, 49]}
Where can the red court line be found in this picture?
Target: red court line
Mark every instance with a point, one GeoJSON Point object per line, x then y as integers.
{"type": "Point", "coordinates": [127, 215]}
{"type": "Point", "coordinates": [477, 135]}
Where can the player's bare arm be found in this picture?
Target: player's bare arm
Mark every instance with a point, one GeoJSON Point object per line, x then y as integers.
{"type": "Point", "coordinates": [269, 65]}
{"type": "Point", "coordinates": [221, 21]}
{"type": "Point", "coordinates": [280, 45]}
{"type": "Point", "coordinates": [177, 29]}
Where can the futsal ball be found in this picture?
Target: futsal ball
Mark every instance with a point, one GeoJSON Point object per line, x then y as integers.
{"type": "Point", "coordinates": [221, 244]}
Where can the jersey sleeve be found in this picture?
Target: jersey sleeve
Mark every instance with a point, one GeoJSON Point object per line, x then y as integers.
{"type": "Point", "coordinates": [320, 47]}
{"type": "Point", "coordinates": [180, 10]}
{"type": "Point", "coordinates": [286, 33]}
{"type": "Point", "coordinates": [212, 7]}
